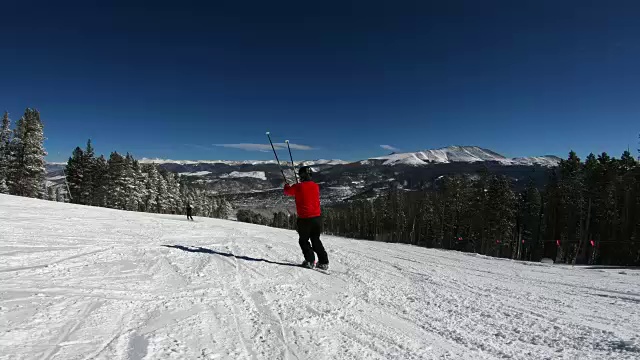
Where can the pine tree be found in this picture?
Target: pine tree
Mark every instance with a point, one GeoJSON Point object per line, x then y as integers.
{"type": "Point", "coordinates": [151, 190]}
{"type": "Point", "coordinates": [627, 162]}
{"type": "Point", "coordinates": [100, 182]}
{"type": "Point", "coordinates": [225, 211]}
{"type": "Point", "coordinates": [75, 175]}
{"type": "Point", "coordinates": [27, 170]}
{"type": "Point", "coordinates": [88, 174]}
{"type": "Point", "coordinates": [528, 242]}
{"type": "Point", "coordinates": [117, 184]}
{"type": "Point", "coordinates": [500, 213]}
{"type": "Point", "coordinates": [51, 193]}
{"type": "Point", "coordinates": [572, 205]}
{"type": "Point", "coordinates": [173, 193]}
{"type": "Point", "coordinates": [130, 178]}
{"type": "Point", "coordinates": [139, 187]}
{"type": "Point", "coordinates": [162, 198]}
{"type": "Point", "coordinates": [592, 182]}
{"type": "Point", "coordinates": [5, 141]}
{"type": "Point", "coordinates": [60, 195]}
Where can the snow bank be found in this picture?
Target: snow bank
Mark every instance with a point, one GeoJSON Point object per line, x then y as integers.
{"type": "Point", "coordinates": [81, 282]}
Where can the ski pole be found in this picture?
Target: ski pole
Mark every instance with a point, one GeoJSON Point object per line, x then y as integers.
{"type": "Point", "coordinates": [276, 154]}
{"type": "Point", "coordinates": [292, 163]}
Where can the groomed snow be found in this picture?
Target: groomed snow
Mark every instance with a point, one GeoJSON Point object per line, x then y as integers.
{"type": "Point", "coordinates": [89, 283]}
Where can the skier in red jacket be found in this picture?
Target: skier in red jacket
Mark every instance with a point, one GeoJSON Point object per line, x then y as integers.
{"type": "Point", "coordinates": [307, 194]}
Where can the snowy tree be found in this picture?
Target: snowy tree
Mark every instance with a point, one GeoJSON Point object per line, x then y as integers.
{"type": "Point", "coordinates": [5, 141]}
{"type": "Point", "coordinates": [60, 197]}
{"type": "Point", "coordinates": [88, 171]}
{"type": "Point", "coordinates": [51, 193]}
{"type": "Point", "coordinates": [173, 192]}
{"type": "Point", "coordinates": [162, 198]}
{"type": "Point", "coordinates": [139, 188]}
{"type": "Point", "coordinates": [27, 170]}
{"type": "Point", "coordinates": [100, 182]}
{"type": "Point", "coordinates": [151, 190]}
{"type": "Point", "coordinates": [117, 184]}
{"type": "Point", "coordinates": [133, 191]}
{"type": "Point", "coordinates": [75, 175]}
{"type": "Point", "coordinates": [4, 189]}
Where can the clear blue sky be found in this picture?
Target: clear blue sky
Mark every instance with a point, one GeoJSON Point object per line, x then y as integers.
{"type": "Point", "coordinates": [172, 79]}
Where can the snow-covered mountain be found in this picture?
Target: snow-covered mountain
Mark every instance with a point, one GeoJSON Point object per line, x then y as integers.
{"type": "Point", "coordinates": [257, 183]}
{"type": "Point", "coordinates": [245, 174]}
{"type": "Point", "coordinates": [239, 163]}
{"type": "Point", "coordinates": [81, 282]}
{"type": "Point", "coordinates": [468, 154]}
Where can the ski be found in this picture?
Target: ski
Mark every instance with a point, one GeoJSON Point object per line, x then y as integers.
{"type": "Point", "coordinates": [326, 272]}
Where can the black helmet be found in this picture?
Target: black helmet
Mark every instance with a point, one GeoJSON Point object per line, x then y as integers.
{"type": "Point", "coordinates": [305, 173]}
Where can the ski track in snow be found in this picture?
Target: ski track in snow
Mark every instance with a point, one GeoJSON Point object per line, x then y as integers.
{"type": "Point", "coordinates": [90, 283]}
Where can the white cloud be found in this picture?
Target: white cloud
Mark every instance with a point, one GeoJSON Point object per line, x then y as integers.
{"type": "Point", "coordinates": [389, 147]}
{"type": "Point", "coordinates": [248, 147]}
{"type": "Point", "coordinates": [293, 146]}
{"type": "Point", "coordinates": [264, 147]}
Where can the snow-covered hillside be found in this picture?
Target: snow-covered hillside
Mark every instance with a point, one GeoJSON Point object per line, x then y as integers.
{"type": "Point", "coordinates": [89, 283]}
{"type": "Point", "coordinates": [245, 174]}
{"type": "Point", "coordinates": [196, 173]}
{"type": "Point", "coordinates": [468, 154]}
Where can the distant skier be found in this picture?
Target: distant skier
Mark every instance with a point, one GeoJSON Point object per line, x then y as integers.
{"type": "Point", "coordinates": [307, 194]}
{"type": "Point", "coordinates": [189, 212]}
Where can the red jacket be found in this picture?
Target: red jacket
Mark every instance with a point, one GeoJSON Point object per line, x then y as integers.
{"type": "Point", "coordinates": [307, 195]}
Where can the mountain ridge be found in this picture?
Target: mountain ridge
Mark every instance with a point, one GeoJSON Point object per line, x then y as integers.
{"type": "Point", "coordinates": [453, 153]}
{"type": "Point", "coordinates": [459, 153]}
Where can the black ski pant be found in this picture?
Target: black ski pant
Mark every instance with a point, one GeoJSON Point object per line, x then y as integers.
{"type": "Point", "coordinates": [310, 229]}
{"type": "Point", "coordinates": [189, 217]}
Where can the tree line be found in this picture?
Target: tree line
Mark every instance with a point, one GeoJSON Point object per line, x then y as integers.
{"type": "Point", "coordinates": [589, 212]}
{"type": "Point", "coordinates": [279, 219]}
{"type": "Point", "coordinates": [121, 182]}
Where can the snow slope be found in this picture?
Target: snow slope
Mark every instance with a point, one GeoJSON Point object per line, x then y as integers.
{"type": "Point", "coordinates": [89, 283]}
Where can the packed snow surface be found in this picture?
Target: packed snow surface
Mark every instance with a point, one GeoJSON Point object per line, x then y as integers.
{"type": "Point", "coordinates": [89, 283]}
{"type": "Point", "coordinates": [245, 174]}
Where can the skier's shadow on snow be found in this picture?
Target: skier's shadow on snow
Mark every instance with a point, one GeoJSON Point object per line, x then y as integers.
{"type": "Point", "coordinates": [213, 252]}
